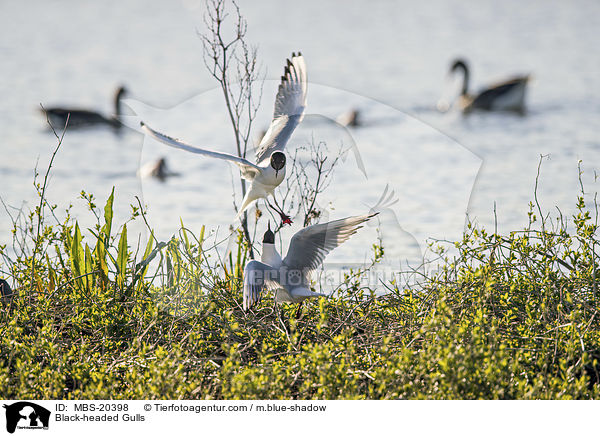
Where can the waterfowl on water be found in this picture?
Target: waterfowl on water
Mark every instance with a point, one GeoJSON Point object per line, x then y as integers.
{"type": "Point", "coordinates": [508, 95]}
{"type": "Point", "coordinates": [86, 118]}
{"type": "Point", "coordinates": [289, 277]}
{"type": "Point", "coordinates": [349, 119]}
{"type": "Point", "coordinates": [269, 170]}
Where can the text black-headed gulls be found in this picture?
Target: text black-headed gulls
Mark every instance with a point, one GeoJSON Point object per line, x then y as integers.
{"type": "Point", "coordinates": [269, 170]}
{"type": "Point", "coordinates": [289, 278]}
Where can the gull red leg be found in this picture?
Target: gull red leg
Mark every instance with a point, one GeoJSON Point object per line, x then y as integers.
{"type": "Point", "coordinates": [285, 219]}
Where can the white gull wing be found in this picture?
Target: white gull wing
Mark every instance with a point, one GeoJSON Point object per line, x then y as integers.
{"type": "Point", "coordinates": [310, 245]}
{"type": "Point", "coordinates": [290, 103]}
{"type": "Point", "coordinates": [257, 276]}
{"type": "Point", "coordinates": [247, 168]}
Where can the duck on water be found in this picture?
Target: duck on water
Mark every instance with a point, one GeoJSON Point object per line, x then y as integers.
{"type": "Point", "coordinates": [508, 95]}
{"type": "Point", "coordinates": [86, 118]}
{"type": "Point", "coordinates": [157, 169]}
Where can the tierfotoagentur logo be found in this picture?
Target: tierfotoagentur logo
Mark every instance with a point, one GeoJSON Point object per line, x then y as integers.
{"type": "Point", "coordinates": [26, 415]}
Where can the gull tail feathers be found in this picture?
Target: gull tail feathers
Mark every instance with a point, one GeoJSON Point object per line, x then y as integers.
{"type": "Point", "coordinates": [244, 206]}
{"type": "Point", "coordinates": [248, 199]}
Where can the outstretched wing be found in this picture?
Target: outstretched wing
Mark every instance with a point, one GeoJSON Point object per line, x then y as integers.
{"type": "Point", "coordinates": [310, 245]}
{"type": "Point", "coordinates": [257, 276]}
{"type": "Point", "coordinates": [289, 108]}
{"type": "Point", "coordinates": [386, 200]}
{"type": "Point", "coordinates": [248, 169]}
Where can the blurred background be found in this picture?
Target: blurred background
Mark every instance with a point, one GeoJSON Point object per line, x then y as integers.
{"type": "Point", "coordinates": [388, 59]}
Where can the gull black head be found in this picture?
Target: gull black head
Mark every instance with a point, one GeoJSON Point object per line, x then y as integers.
{"type": "Point", "coordinates": [277, 161]}
{"type": "Point", "coordinates": [269, 237]}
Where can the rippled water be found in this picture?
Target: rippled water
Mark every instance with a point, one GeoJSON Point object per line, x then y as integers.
{"type": "Point", "coordinates": [388, 59]}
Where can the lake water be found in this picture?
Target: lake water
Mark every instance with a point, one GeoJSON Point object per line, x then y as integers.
{"type": "Point", "coordinates": [388, 59]}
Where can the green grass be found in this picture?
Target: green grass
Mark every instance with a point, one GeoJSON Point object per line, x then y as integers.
{"type": "Point", "coordinates": [94, 316]}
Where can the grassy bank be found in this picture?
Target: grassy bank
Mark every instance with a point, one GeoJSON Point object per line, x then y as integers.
{"type": "Point", "coordinates": [94, 315]}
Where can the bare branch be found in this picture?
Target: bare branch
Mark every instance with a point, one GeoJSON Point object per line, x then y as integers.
{"type": "Point", "coordinates": [233, 64]}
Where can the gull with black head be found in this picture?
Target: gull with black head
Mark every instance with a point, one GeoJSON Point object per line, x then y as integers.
{"type": "Point", "coordinates": [269, 170]}
{"type": "Point", "coordinates": [289, 278]}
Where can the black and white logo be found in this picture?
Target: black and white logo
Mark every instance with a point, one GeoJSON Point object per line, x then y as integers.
{"type": "Point", "coordinates": [26, 415]}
